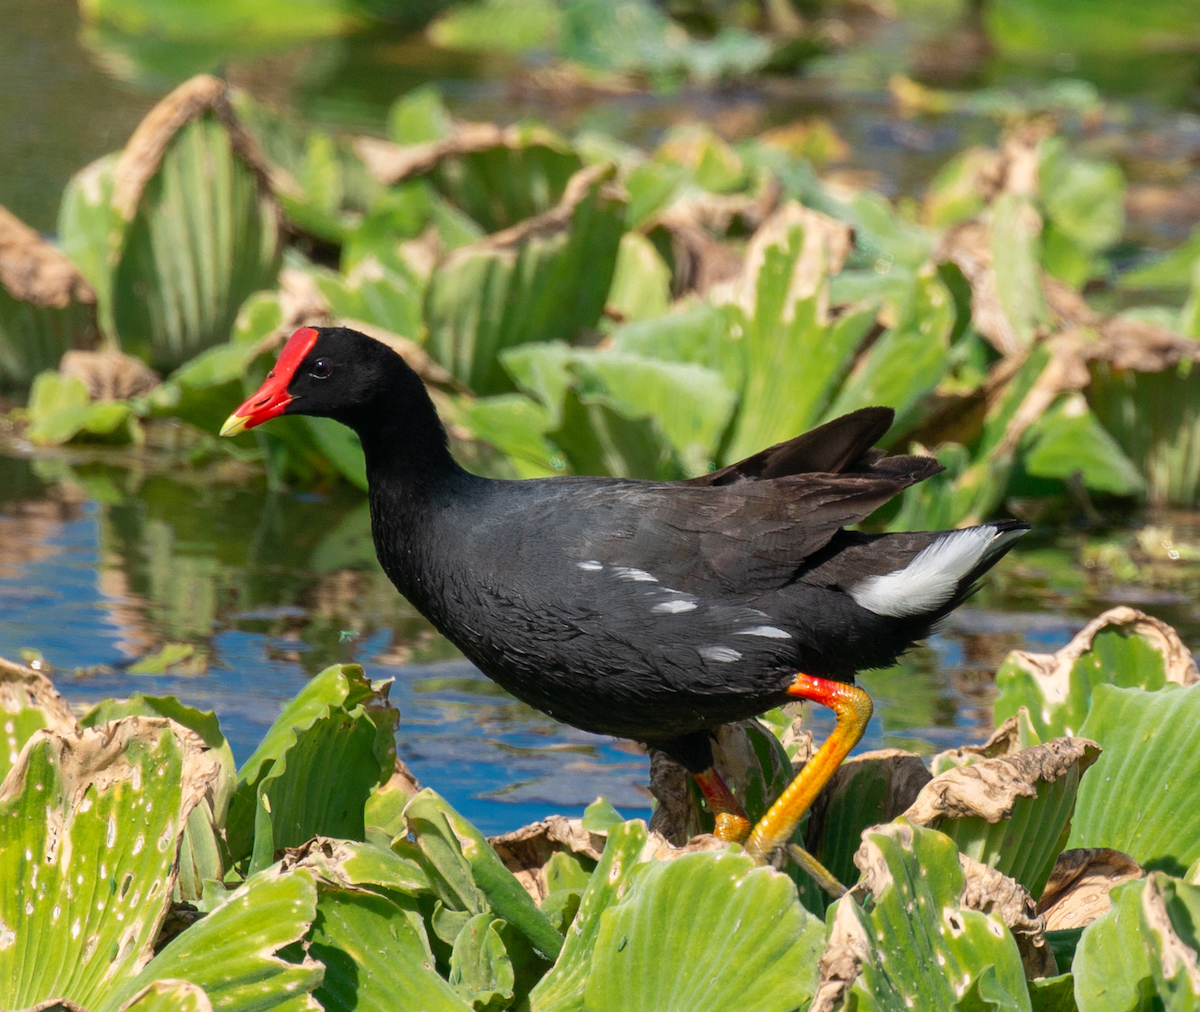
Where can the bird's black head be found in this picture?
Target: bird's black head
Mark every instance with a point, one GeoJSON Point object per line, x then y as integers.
{"type": "Point", "coordinates": [332, 372]}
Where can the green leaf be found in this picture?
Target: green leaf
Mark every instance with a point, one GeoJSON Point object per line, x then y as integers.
{"type": "Point", "coordinates": [1015, 258]}
{"type": "Point", "coordinates": [202, 852]}
{"type": "Point", "coordinates": [89, 231]}
{"type": "Point", "coordinates": [388, 297]}
{"type": "Point", "coordinates": [600, 816]}
{"type": "Point", "coordinates": [170, 996]}
{"type": "Point", "coordinates": [505, 26]}
{"type": "Point", "coordinates": [561, 990]}
{"type": "Point", "coordinates": [744, 924]}
{"type": "Point", "coordinates": [546, 280]}
{"type": "Point", "coordinates": [1139, 797]}
{"type": "Point", "coordinates": [1112, 962]}
{"type": "Point", "coordinates": [337, 730]}
{"type": "Point", "coordinates": [1053, 994]}
{"type": "Point", "coordinates": [690, 405]}
{"type": "Point", "coordinates": [34, 337]}
{"type": "Point", "coordinates": [907, 361]}
{"type": "Point", "coordinates": [347, 864]}
{"type": "Point", "coordinates": [29, 703]}
{"type": "Point", "coordinates": [641, 284]}
{"type": "Point", "coordinates": [1170, 914]}
{"type": "Point", "coordinates": [1155, 417]}
{"type": "Point", "coordinates": [501, 186]}
{"type": "Point", "coordinates": [89, 825]}
{"type": "Point", "coordinates": [697, 336]}
{"type": "Point", "coordinates": [231, 952]}
{"type": "Point", "coordinates": [202, 237]}
{"type": "Point", "coordinates": [1085, 199]}
{"type": "Point", "coordinates": [517, 426]}
{"type": "Point", "coordinates": [916, 942]}
{"type": "Point", "coordinates": [953, 196]}
{"type": "Point", "coordinates": [376, 959]}
{"type": "Point", "coordinates": [1068, 439]}
{"type": "Point", "coordinates": [1175, 270]}
{"type": "Point", "coordinates": [1013, 812]}
{"type": "Point", "coordinates": [480, 969]}
{"type": "Point", "coordinates": [504, 894]}
{"type": "Point", "coordinates": [60, 409]}
{"type": "Point", "coordinates": [793, 359]}
{"type": "Point", "coordinates": [598, 440]}
{"type": "Point", "coordinates": [1122, 647]}
{"type": "Point", "coordinates": [419, 116]}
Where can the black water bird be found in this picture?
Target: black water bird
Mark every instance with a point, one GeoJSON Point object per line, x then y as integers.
{"type": "Point", "coordinates": [648, 610]}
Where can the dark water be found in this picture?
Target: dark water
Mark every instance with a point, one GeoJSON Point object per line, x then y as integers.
{"type": "Point", "coordinates": [105, 558]}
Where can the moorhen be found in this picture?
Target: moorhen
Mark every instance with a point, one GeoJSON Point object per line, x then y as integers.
{"type": "Point", "coordinates": [645, 609]}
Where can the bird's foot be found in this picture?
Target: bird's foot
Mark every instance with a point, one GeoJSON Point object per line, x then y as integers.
{"type": "Point", "coordinates": [733, 824]}
{"type": "Point", "coordinates": [853, 708]}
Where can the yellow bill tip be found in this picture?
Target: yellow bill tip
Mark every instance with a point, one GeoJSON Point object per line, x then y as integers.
{"type": "Point", "coordinates": [234, 425]}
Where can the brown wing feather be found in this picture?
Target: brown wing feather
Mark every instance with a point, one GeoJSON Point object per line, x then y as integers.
{"type": "Point", "coordinates": [842, 445]}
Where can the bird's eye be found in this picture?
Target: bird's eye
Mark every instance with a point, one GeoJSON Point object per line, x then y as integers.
{"type": "Point", "coordinates": [321, 369]}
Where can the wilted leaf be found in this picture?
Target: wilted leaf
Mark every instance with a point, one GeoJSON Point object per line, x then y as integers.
{"type": "Point", "coordinates": [28, 703]}
{"type": "Point", "coordinates": [202, 852]}
{"type": "Point", "coordinates": [231, 952]}
{"type": "Point", "coordinates": [347, 864]}
{"type": "Point", "coordinates": [527, 852]}
{"type": "Point", "coordinates": [1169, 913]}
{"type": "Point", "coordinates": [89, 825]}
{"type": "Point", "coordinates": [1140, 797]}
{"type": "Point", "coordinates": [1015, 734]}
{"type": "Point", "coordinates": [46, 306]}
{"type": "Point", "coordinates": [1012, 812]}
{"type": "Point", "coordinates": [545, 279]}
{"type": "Point", "coordinates": [866, 790]}
{"type": "Point", "coordinates": [202, 228]}
{"type": "Point", "coordinates": [918, 942]}
{"type": "Point", "coordinates": [1077, 891]}
{"type": "Point", "coordinates": [1121, 647]}
{"type": "Point", "coordinates": [744, 924]}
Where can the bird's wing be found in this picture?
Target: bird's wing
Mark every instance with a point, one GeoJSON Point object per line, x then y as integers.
{"type": "Point", "coordinates": [749, 536]}
{"type": "Point", "coordinates": [842, 445]}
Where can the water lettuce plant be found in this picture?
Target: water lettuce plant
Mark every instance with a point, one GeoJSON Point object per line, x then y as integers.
{"type": "Point", "coordinates": [147, 872]}
{"type": "Point", "coordinates": [585, 306]}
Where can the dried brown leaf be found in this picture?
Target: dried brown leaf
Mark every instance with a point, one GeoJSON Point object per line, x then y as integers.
{"type": "Point", "coordinates": [1176, 958]}
{"type": "Point", "coordinates": [526, 851]}
{"type": "Point", "coordinates": [1052, 672]}
{"type": "Point", "coordinates": [990, 788]}
{"type": "Point", "coordinates": [906, 777]}
{"type": "Point", "coordinates": [143, 153]}
{"type": "Point", "coordinates": [1005, 741]}
{"type": "Point", "coordinates": [23, 688]}
{"type": "Point", "coordinates": [826, 244]}
{"type": "Point", "coordinates": [390, 163]}
{"type": "Point", "coordinates": [34, 271]}
{"type": "Point", "coordinates": [1077, 890]}
{"type": "Point", "coordinates": [992, 892]}
{"type": "Point", "coordinates": [109, 375]}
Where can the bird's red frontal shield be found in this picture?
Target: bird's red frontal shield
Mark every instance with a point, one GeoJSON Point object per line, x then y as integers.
{"type": "Point", "coordinates": [272, 397]}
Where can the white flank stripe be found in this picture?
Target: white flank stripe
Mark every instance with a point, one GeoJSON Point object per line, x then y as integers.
{"type": "Point", "coordinates": [722, 654]}
{"type": "Point", "coordinates": [637, 575]}
{"type": "Point", "coordinates": [768, 631]}
{"type": "Point", "coordinates": [590, 567]}
{"type": "Point", "coordinates": [932, 578]}
{"type": "Point", "coordinates": [676, 607]}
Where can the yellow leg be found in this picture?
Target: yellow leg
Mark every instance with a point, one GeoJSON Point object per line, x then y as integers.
{"type": "Point", "coordinates": [733, 824]}
{"type": "Point", "coordinates": [853, 708]}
